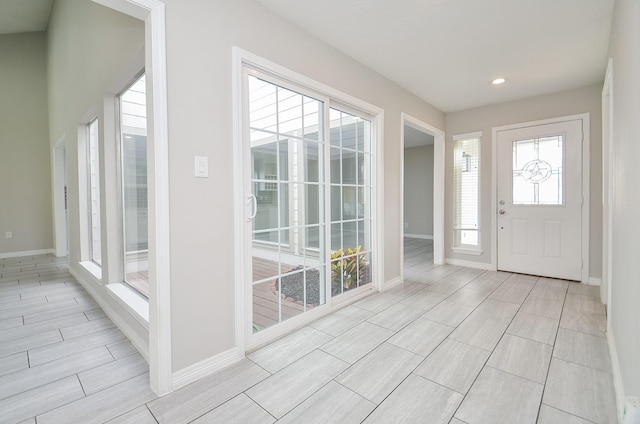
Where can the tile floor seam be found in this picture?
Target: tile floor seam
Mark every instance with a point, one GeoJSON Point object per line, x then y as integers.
{"type": "Point", "coordinates": [77, 376]}
{"type": "Point", "coordinates": [582, 332]}
{"type": "Point", "coordinates": [146, 405]}
{"type": "Point", "coordinates": [527, 338]}
{"type": "Point", "coordinates": [555, 340]}
{"type": "Point", "coordinates": [473, 382]}
{"type": "Point", "coordinates": [516, 375]}
{"type": "Point", "coordinates": [439, 384]}
{"type": "Point", "coordinates": [568, 413]}
{"type": "Point", "coordinates": [264, 369]}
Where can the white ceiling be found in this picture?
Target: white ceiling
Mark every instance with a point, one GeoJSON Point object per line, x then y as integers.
{"type": "Point", "coordinates": [24, 15]}
{"type": "Point", "coordinates": [447, 51]}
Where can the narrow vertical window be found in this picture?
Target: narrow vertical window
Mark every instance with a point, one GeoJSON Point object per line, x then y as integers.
{"type": "Point", "coordinates": [93, 173]}
{"type": "Point", "coordinates": [466, 193]}
{"type": "Point", "coordinates": [133, 163]}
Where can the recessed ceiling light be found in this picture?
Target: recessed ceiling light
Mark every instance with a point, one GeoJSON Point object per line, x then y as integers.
{"type": "Point", "coordinates": [499, 81]}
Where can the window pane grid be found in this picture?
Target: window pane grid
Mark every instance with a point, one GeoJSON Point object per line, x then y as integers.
{"type": "Point", "coordinates": [350, 206]}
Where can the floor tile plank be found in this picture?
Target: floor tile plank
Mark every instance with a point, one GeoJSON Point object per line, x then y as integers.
{"type": "Point", "coordinates": [380, 372]}
{"type": "Point", "coordinates": [501, 398]}
{"type": "Point", "coordinates": [200, 397]}
{"type": "Point", "coordinates": [333, 404]}
{"type": "Point", "coordinates": [285, 389]}
{"type": "Point", "coordinates": [417, 400]}
{"type": "Point", "coordinates": [454, 365]}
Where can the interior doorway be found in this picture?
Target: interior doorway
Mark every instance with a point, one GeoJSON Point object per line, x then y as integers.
{"type": "Point", "coordinates": [60, 197]}
{"type": "Point", "coordinates": [422, 196]}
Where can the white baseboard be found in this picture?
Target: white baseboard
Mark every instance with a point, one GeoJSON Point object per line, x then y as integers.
{"type": "Point", "coordinates": [469, 264]}
{"type": "Point", "coordinates": [141, 345]}
{"type": "Point", "coordinates": [419, 236]}
{"type": "Point", "coordinates": [391, 283]}
{"type": "Point", "coordinates": [205, 368]}
{"type": "Point", "coordinates": [26, 253]}
{"type": "Point", "coordinates": [594, 281]}
{"type": "Point", "coordinates": [617, 375]}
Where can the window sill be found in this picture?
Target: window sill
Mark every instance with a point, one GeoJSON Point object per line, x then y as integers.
{"type": "Point", "coordinates": [93, 268]}
{"type": "Point", "coordinates": [467, 251]}
{"type": "Point", "coordinates": [131, 300]}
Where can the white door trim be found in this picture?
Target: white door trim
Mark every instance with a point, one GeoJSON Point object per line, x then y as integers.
{"type": "Point", "coordinates": [152, 13]}
{"type": "Point", "coordinates": [438, 187]}
{"type": "Point", "coordinates": [585, 117]}
{"type": "Point", "coordinates": [607, 187]}
{"type": "Point", "coordinates": [59, 181]}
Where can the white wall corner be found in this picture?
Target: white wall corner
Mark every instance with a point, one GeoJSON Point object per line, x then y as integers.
{"type": "Point", "coordinates": [617, 375]}
{"type": "Point", "coordinates": [389, 284]}
{"type": "Point", "coordinates": [594, 281]}
{"type": "Point", "coordinates": [205, 367]}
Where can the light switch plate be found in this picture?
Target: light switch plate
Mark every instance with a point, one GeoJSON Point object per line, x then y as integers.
{"type": "Point", "coordinates": [202, 166]}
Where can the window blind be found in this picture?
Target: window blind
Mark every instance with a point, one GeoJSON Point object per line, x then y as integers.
{"type": "Point", "coordinates": [466, 190]}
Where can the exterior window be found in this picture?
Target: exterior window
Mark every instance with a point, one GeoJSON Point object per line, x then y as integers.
{"type": "Point", "coordinates": [93, 182]}
{"type": "Point", "coordinates": [133, 164]}
{"type": "Point", "coordinates": [466, 192]}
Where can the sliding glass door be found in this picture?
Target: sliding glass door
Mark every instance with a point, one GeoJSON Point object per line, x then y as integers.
{"type": "Point", "coordinates": [309, 199]}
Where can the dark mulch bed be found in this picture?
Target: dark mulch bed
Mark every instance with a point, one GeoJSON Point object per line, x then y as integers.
{"type": "Point", "coordinates": [292, 287]}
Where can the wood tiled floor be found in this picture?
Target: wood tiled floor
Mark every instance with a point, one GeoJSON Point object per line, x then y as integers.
{"type": "Point", "coordinates": [451, 345]}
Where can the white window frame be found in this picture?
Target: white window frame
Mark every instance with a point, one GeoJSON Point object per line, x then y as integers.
{"type": "Point", "coordinates": [90, 193]}
{"type": "Point", "coordinates": [121, 191]}
{"type": "Point", "coordinates": [458, 245]}
{"type": "Point", "coordinates": [242, 60]}
{"type": "Point", "coordinates": [84, 196]}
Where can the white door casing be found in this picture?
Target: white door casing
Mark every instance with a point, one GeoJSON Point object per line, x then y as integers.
{"type": "Point", "coordinates": [539, 199]}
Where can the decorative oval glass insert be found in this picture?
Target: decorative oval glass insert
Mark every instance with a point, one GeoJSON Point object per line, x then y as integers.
{"type": "Point", "coordinates": [536, 171]}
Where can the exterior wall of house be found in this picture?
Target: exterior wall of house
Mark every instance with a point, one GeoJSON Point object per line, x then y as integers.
{"type": "Point", "coordinates": [563, 103]}
{"type": "Point", "coordinates": [624, 313]}
{"type": "Point", "coordinates": [25, 191]}
{"type": "Point", "coordinates": [418, 190]}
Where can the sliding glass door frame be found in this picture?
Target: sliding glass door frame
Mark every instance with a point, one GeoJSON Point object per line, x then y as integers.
{"type": "Point", "coordinates": [331, 99]}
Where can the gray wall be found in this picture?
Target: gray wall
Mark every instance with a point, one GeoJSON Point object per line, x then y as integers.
{"type": "Point", "coordinates": [83, 34]}
{"type": "Point", "coordinates": [25, 170]}
{"type": "Point", "coordinates": [625, 288]}
{"type": "Point", "coordinates": [418, 190]}
{"type": "Point", "coordinates": [564, 103]}
{"type": "Point", "coordinates": [200, 123]}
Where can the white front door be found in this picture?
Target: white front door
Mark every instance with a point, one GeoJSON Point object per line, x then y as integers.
{"type": "Point", "coordinates": [540, 199]}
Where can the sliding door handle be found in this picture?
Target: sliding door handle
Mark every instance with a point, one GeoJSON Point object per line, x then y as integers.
{"type": "Point", "coordinates": [252, 202]}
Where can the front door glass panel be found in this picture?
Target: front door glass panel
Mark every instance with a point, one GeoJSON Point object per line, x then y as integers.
{"type": "Point", "coordinates": [537, 174]}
